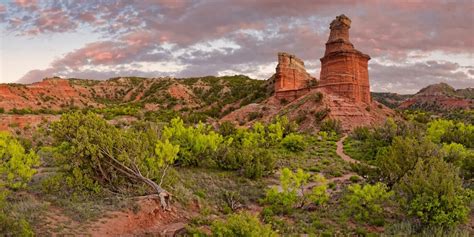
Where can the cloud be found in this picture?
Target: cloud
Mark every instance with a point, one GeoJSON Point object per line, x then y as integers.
{"type": "Point", "coordinates": [191, 33]}
{"type": "Point", "coordinates": [409, 78]}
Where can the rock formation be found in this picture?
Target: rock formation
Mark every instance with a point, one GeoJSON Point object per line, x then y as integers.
{"type": "Point", "coordinates": [291, 78]}
{"type": "Point", "coordinates": [344, 70]}
{"type": "Point", "coordinates": [342, 93]}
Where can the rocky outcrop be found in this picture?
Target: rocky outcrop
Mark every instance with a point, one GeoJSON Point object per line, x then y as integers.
{"type": "Point", "coordinates": [344, 70]}
{"type": "Point", "coordinates": [343, 91]}
{"type": "Point", "coordinates": [311, 109]}
{"type": "Point", "coordinates": [291, 78]}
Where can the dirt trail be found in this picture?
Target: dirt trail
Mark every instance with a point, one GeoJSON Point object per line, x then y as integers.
{"type": "Point", "coordinates": [340, 151]}
{"type": "Point", "coordinates": [340, 179]}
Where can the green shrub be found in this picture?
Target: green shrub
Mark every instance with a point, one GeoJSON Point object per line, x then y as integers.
{"type": "Point", "coordinates": [318, 194]}
{"type": "Point", "coordinates": [91, 150]}
{"type": "Point", "coordinates": [241, 225]}
{"type": "Point", "coordinates": [360, 133]}
{"type": "Point", "coordinates": [292, 194]}
{"type": "Point", "coordinates": [399, 158]}
{"type": "Point", "coordinates": [10, 226]}
{"type": "Point", "coordinates": [331, 125]}
{"type": "Point", "coordinates": [447, 131]}
{"type": "Point", "coordinates": [196, 144]}
{"type": "Point", "coordinates": [456, 154]}
{"type": "Point", "coordinates": [321, 114]}
{"type": "Point", "coordinates": [254, 115]}
{"type": "Point", "coordinates": [227, 128]}
{"type": "Point", "coordinates": [301, 117]}
{"type": "Point", "coordinates": [433, 193]}
{"type": "Point", "coordinates": [252, 162]}
{"type": "Point", "coordinates": [318, 97]}
{"type": "Point", "coordinates": [354, 178]}
{"type": "Point", "coordinates": [294, 142]}
{"type": "Point", "coordinates": [365, 202]}
{"type": "Point", "coordinates": [16, 170]}
{"type": "Point", "coordinates": [16, 164]}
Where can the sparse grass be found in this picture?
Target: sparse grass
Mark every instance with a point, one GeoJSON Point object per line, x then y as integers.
{"type": "Point", "coordinates": [352, 148]}
{"type": "Point", "coordinates": [207, 186]}
{"type": "Point", "coordinates": [319, 156]}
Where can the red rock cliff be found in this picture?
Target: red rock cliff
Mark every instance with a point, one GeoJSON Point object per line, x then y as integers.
{"type": "Point", "coordinates": [291, 76]}
{"type": "Point", "coordinates": [344, 70]}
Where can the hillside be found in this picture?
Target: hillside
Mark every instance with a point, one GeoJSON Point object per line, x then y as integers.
{"type": "Point", "coordinates": [56, 94]}
{"type": "Point", "coordinates": [233, 98]}
{"type": "Point", "coordinates": [311, 110]}
{"type": "Point", "coordinates": [193, 98]}
{"type": "Point", "coordinates": [389, 99]}
{"type": "Point", "coordinates": [440, 97]}
{"type": "Point", "coordinates": [435, 98]}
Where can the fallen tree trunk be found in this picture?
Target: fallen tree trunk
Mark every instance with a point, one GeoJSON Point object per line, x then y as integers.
{"type": "Point", "coordinates": [134, 173]}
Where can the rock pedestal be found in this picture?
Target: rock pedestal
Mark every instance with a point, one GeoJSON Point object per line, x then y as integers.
{"type": "Point", "coordinates": [344, 70]}
{"type": "Point", "coordinates": [291, 78]}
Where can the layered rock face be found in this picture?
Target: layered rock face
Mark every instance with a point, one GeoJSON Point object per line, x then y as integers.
{"type": "Point", "coordinates": [344, 70]}
{"type": "Point", "coordinates": [291, 78]}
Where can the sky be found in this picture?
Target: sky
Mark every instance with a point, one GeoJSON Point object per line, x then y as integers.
{"type": "Point", "coordinates": [412, 43]}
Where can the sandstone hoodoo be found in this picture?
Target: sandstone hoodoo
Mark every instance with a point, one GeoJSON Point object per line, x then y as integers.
{"type": "Point", "coordinates": [342, 92]}
{"type": "Point", "coordinates": [291, 78]}
{"type": "Point", "coordinates": [344, 70]}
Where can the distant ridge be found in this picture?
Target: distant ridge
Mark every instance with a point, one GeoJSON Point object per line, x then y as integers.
{"type": "Point", "coordinates": [436, 97]}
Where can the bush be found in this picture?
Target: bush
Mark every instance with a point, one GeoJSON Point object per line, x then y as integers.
{"type": "Point", "coordinates": [318, 97]}
{"type": "Point", "coordinates": [286, 200]}
{"type": "Point", "coordinates": [196, 144]}
{"type": "Point", "coordinates": [294, 142]}
{"type": "Point", "coordinates": [242, 224]}
{"type": "Point", "coordinates": [91, 150]}
{"type": "Point", "coordinates": [331, 125]}
{"type": "Point", "coordinates": [432, 192]}
{"type": "Point", "coordinates": [16, 164]}
{"type": "Point", "coordinates": [455, 153]}
{"type": "Point", "coordinates": [354, 178]}
{"type": "Point", "coordinates": [14, 227]}
{"type": "Point", "coordinates": [365, 202]}
{"type": "Point", "coordinates": [447, 131]}
{"type": "Point", "coordinates": [360, 133]}
{"type": "Point", "coordinates": [321, 114]}
{"type": "Point", "coordinates": [254, 115]}
{"type": "Point", "coordinates": [252, 162]}
{"type": "Point", "coordinates": [16, 170]}
{"type": "Point", "coordinates": [227, 128]}
{"type": "Point", "coordinates": [399, 158]}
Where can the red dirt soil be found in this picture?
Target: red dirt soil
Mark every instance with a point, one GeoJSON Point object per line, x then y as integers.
{"type": "Point", "coordinates": [150, 219]}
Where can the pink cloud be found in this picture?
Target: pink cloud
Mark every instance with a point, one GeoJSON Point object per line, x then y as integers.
{"type": "Point", "coordinates": [54, 20]}
{"type": "Point", "coordinates": [390, 30]}
{"type": "Point", "coordinates": [25, 3]}
{"type": "Point", "coordinates": [87, 17]}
